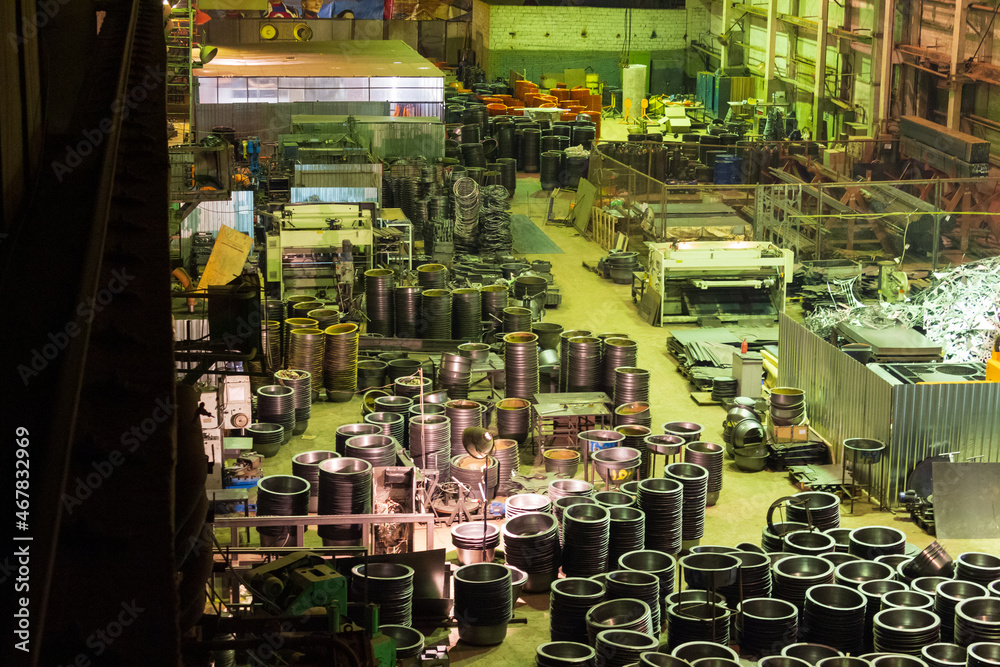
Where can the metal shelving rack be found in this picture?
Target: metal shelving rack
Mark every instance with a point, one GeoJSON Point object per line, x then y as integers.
{"type": "Point", "coordinates": [180, 80]}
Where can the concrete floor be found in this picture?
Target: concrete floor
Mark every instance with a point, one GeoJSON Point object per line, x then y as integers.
{"type": "Point", "coordinates": [599, 305]}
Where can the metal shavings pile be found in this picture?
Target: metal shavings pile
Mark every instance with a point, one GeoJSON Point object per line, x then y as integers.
{"type": "Point", "coordinates": [391, 536]}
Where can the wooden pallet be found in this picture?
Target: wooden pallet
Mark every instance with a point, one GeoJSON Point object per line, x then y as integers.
{"type": "Point", "coordinates": [603, 226]}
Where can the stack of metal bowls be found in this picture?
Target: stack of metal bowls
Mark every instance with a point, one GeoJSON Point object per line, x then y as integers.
{"type": "Point", "coordinates": [662, 500]}
{"type": "Point", "coordinates": [834, 616]}
{"type": "Point", "coordinates": [469, 471]}
{"type": "Point", "coordinates": [271, 343]}
{"type": "Point", "coordinates": [628, 532]}
{"type": "Point", "coordinates": [624, 614]}
{"type": "Point", "coordinates": [345, 487]}
{"type": "Point", "coordinates": [948, 595]}
{"type": "Point", "coordinates": [463, 414]}
{"type": "Point", "coordinates": [977, 567]}
{"type": "Point", "coordinates": [379, 304]}
{"type": "Point", "coordinates": [823, 509]}
{"type": "Point", "coordinates": [617, 352]}
{"type": "Point", "coordinates": [392, 424]}
{"type": "Point", "coordinates": [306, 352]}
{"type": "Point", "coordinates": [598, 439]}
{"type": "Point", "coordinates": [531, 543]}
{"type": "Point", "coordinates": [808, 543]}
{"type": "Point", "coordinates": [944, 655]}
{"type": "Point", "coordinates": [411, 386]}
{"type": "Point", "coordinates": [872, 541]}
{"type": "Point", "coordinates": [398, 404]}
{"type": "Point", "coordinates": [340, 365]}
{"type": "Point", "coordinates": [407, 310]}
{"type": "Point", "coordinates": [560, 505]}
{"type": "Point", "coordinates": [379, 450]}
{"type": "Point", "coordinates": [286, 332]}
{"type": "Point", "coordinates": [516, 319]}
{"type": "Point", "coordinates": [976, 620]}
{"type": "Point", "coordinates": [467, 312]}
{"type": "Point", "coordinates": [401, 367]}
{"type": "Point", "coordinates": [561, 461]}
{"type": "Point", "coordinates": [301, 308]}
{"type": "Point", "coordinates": [455, 375]}
{"type": "Point", "coordinates": [929, 585]}
{"type": "Point", "coordinates": [933, 561]}
{"type": "Point", "coordinates": [909, 599]}
{"type": "Point", "coordinates": [709, 456]}
{"type": "Point", "coordinates": [281, 495]}
{"type": "Point", "coordinates": [842, 541]}
{"type": "Point", "coordinates": [306, 466]}
{"type": "Point", "coordinates": [631, 385]}
{"type": "Point", "coordinates": [409, 643]}
{"type": "Point", "coordinates": [435, 314]}
{"type": "Point", "coordinates": [754, 578]}
{"type": "Point", "coordinates": [873, 591]}
{"type": "Point", "coordinates": [694, 478]}
{"type": "Point", "coordinates": [430, 444]}
{"type": "Point", "coordinates": [520, 362]}
{"type": "Point", "coordinates": [788, 406]}
{"type": "Point", "coordinates": [513, 419]}
{"type": "Point", "coordinates": [639, 585]}
{"type": "Point", "coordinates": [710, 571]}
{"type": "Point", "coordinates": [611, 499]}
{"type": "Point", "coordinates": [267, 438]}
{"type": "Point", "coordinates": [854, 573]}
{"type": "Point", "coordinates": [564, 339]}
{"type": "Point", "coordinates": [984, 654]}
{"type": "Point", "coordinates": [637, 412]}
{"type": "Point", "coordinates": [432, 276]}
{"type": "Point", "coordinates": [371, 374]}
{"type": "Point", "coordinates": [522, 503]}
{"type": "Point", "coordinates": [585, 540]}
{"type": "Point", "coordinates": [475, 351]}
{"type": "Point", "coordinates": [906, 631]}
{"type": "Point", "coordinates": [569, 600]}
{"type": "Point", "coordinates": [697, 622]}
{"type": "Point", "coordinates": [472, 539]}
{"type": "Point", "coordinates": [506, 454]}
{"type": "Point", "coordinates": [561, 488]}
{"type": "Point", "coordinates": [619, 648]}
{"type": "Point", "coordinates": [809, 653]}
{"type": "Point", "coordinates": [389, 585]}
{"type": "Point", "coordinates": [690, 431]}
{"type": "Point", "coordinates": [564, 654]}
{"type": "Point", "coordinates": [635, 437]}
{"type": "Point", "coordinates": [302, 382]}
{"type": "Point", "coordinates": [345, 432]}
{"type": "Point", "coordinates": [771, 538]}
{"type": "Point", "coordinates": [325, 317]}
{"type": "Point", "coordinates": [617, 465]}
{"type": "Point", "coordinates": [494, 300]}
{"type": "Point", "coordinates": [584, 358]}
{"type": "Point", "coordinates": [792, 576]}
{"type": "Point", "coordinates": [276, 405]}
{"type": "Point", "coordinates": [764, 625]}
{"type": "Point", "coordinates": [663, 565]}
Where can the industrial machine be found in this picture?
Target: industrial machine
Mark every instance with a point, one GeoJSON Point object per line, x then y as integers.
{"type": "Point", "coordinates": [226, 407]}
{"type": "Point", "coordinates": [314, 247]}
{"type": "Point", "coordinates": [726, 280]}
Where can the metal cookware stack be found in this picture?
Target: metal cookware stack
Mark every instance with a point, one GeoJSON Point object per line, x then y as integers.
{"type": "Point", "coordinates": [345, 432]}
{"type": "Point", "coordinates": [290, 324]}
{"type": "Point", "coordinates": [765, 624]}
{"type": "Point", "coordinates": [635, 437]}
{"type": "Point", "coordinates": [267, 438]}
{"type": "Point", "coordinates": [345, 487]}
{"type": "Point", "coordinates": [531, 543]}
{"type": "Point", "coordinates": [661, 564]}
{"type": "Point", "coordinates": [506, 454]}
{"type": "Point", "coordinates": [494, 301]}
{"type": "Point", "coordinates": [522, 503]}
{"type": "Point", "coordinates": [794, 575]}
{"type": "Point", "coordinates": [586, 539]}
{"type": "Point", "coordinates": [584, 364]}
{"type": "Point", "coordinates": [307, 353]}
{"type": "Point", "coordinates": [389, 585]}
{"type": "Point", "coordinates": [662, 500]}
{"type": "Point", "coordinates": [638, 585]}
{"type": "Point", "coordinates": [521, 365]}
{"type": "Point", "coordinates": [467, 313]}
{"type": "Point", "coordinates": [378, 449]}
{"type": "Point", "coordinates": [564, 339]}
{"type": "Point", "coordinates": [407, 310]}
{"type": "Point", "coordinates": [325, 317]}
{"type": "Point", "coordinates": [379, 306]}
{"type": "Point", "coordinates": [694, 478]}
{"type": "Point", "coordinates": [430, 444]}
{"type": "Point", "coordinates": [754, 578]}
{"type": "Point", "coordinates": [637, 412]}
{"type": "Point", "coordinates": [306, 466]}
{"type": "Point", "coordinates": [302, 382]}
{"type": "Point", "coordinates": [788, 406]}
{"type": "Point", "coordinates": [823, 509]}
{"type": "Point", "coordinates": [631, 385]}
{"type": "Point", "coordinates": [513, 419]}
{"type": "Point", "coordinates": [455, 375]}
{"type": "Point", "coordinates": [281, 495]}
{"type": "Point", "coordinates": [628, 532]}
{"type": "Point", "coordinates": [569, 600]}
{"type": "Point", "coordinates": [463, 414]}
{"type": "Point", "coordinates": [834, 616]}
{"type": "Point", "coordinates": [709, 456]}
{"type": "Point", "coordinates": [483, 603]}
{"type": "Point", "coordinates": [618, 353]}
{"type": "Point", "coordinates": [276, 405]}
{"type": "Point", "coordinates": [469, 471]}
{"type": "Point", "coordinates": [340, 364]}
{"type": "Point", "coordinates": [516, 319]}
{"type": "Point", "coordinates": [392, 424]}
{"type": "Point", "coordinates": [432, 276]}
{"type": "Point", "coordinates": [435, 314]}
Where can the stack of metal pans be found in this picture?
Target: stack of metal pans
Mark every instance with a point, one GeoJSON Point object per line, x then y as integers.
{"type": "Point", "coordinates": [906, 631]}
{"type": "Point", "coordinates": [505, 452]}
{"type": "Point", "coordinates": [397, 404]}
{"type": "Point", "coordinates": [514, 419]}
{"type": "Point", "coordinates": [345, 432]}
{"type": "Point", "coordinates": [430, 444]}
{"type": "Point", "coordinates": [690, 431]}
{"type": "Point", "coordinates": [623, 614]}
{"type": "Point", "coordinates": [977, 567]}
{"type": "Point", "coordinates": [407, 310]}
{"type": "Point", "coordinates": [274, 310]}
{"type": "Point", "coordinates": [841, 538]}
{"type": "Point", "coordinates": [548, 334]}
{"type": "Point", "coordinates": [467, 313]}
{"type": "Point", "coordinates": [709, 456]}
{"type": "Point", "coordinates": [564, 654]}
{"type": "Point", "coordinates": [267, 438]}
{"type": "Point", "coordinates": [560, 505]}
{"type": "Point", "coordinates": [345, 487]}
{"type": "Point", "coordinates": [389, 585]}
{"type": "Point", "coordinates": [948, 595]}
{"type": "Point", "coordinates": [663, 565]}
{"type": "Point", "coordinates": [306, 352]}
{"type": "Point", "coordinates": [586, 539]}
{"type": "Point", "coordinates": [788, 406]}
{"type": "Point", "coordinates": [569, 601]}
{"type": "Point", "coordinates": [944, 655]}
{"type": "Point", "coordinates": [809, 653]}
{"type": "Point", "coordinates": [764, 625]}
{"type": "Point", "coordinates": [302, 382]}
{"type": "Point", "coordinates": [392, 424]}
{"type": "Point", "coordinates": [463, 414]}
{"type": "Point", "coordinates": [872, 541]}
{"type": "Point", "coordinates": [340, 365]}
{"type": "Point", "coordinates": [854, 573]}
{"type": "Point", "coordinates": [564, 339]}
{"type": "Point", "coordinates": [411, 386]}
{"type": "Point", "coordinates": [401, 368]}
{"type": "Point", "coordinates": [371, 374]}
{"type": "Point", "coordinates": [409, 642]}
{"type": "Point", "coordinates": [823, 508]}
{"type": "Point", "coordinates": [976, 620]}
{"type": "Point", "coordinates": [617, 465]}
{"type": "Point", "coordinates": [834, 616]}
{"type": "Point", "coordinates": [695, 480]}
{"type": "Point", "coordinates": [272, 342]}
{"type": "Point", "coordinates": [516, 319]}
{"type": "Point", "coordinates": [792, 576]}
{"type": "Point", "coordinates": [286, 333]}
{"type": "Point", "coordinates": [472, 539]}
{"type": "Point", "coordinates": [697, 621]}
{"type": "Point", "coordinates": [561, 488]}
{"type": "Point", "coordinates": [325, 317]}
{"type": "Point", "coordinates": [662, 501]}
{"type": "Point", "coordinates": [469, 471]}
{"type": "Point", "coordinates": [276, 405]}
{"type": "Point", "coordinates": [984, 654]}
{"type": "Point", "coordinates": [584, 364]}
{"type": "Point", "coordinates": [873, 591]}
{"type": "Point", "coordinates": [432, 276]}
{"type": "Point", "coordinates": [379, 304]}
{"type": "Point", "coordinates": [771, 538]}
{"type": "Point", "coordinates": [306, 466]}
{"type": "Point", "coordinates": [909, 599]}
{"type": "Point", "coordinates": [521, 365]}
{"type": "Point", "coordinates": [612, 499]}
{"type": "Point", "coordinates": [754, 579]}
{"type": "Point", "coordinates": [455, 375]}
{"type": "Point", "coordinates": [531, 543]}
{"type": "Point", "coordinates": [617, 353]}
{"type": "Point", "coordinates": [710, 571]}
{"type": "Point", "coordinates": [435, 314]}
{"type": "Point", "coordinates": [522, 503]}
{"type": "Point", "coordinates": [302, 308]}
{"type": "Point", "coordinates": [808, 543]}
{"type": "Point", "coordinates": [631, 385]}
{"type": "Point", "coordinates": [637, 412]}
{"type": "Point", "coordinates": [639, 585]}
{"type": "Point", "coordinates": [628, 533]}
{"type": "Point", "coordinates": [494, 301]}
{"type": "Point", "coordinates": [724, 389]}
{"type": "Point", "coordinates": [620, 648]}
{"type": "Point", "coordinates": [929, 585]}
{"type": "Point", "coordinates": [564, 462]}
{"type": "Point", "coordinates": [281, 495]}
{"type": "Point", "coordinates": [379, 450]}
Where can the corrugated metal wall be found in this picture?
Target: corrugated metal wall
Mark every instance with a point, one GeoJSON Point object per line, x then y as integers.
{"type": "Point", "coordinates": [266, 121]}
{"type": "Point", "coordinates": [345, 183]}
{"type": "Point", "coordinates": [210, 216]}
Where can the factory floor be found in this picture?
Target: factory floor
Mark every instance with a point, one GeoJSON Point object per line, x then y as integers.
{"type": "Point", "coordinates": [589, 302]}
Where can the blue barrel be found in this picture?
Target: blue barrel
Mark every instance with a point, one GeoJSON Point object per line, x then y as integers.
{"type": "Point", "coordinates": [727, 169]}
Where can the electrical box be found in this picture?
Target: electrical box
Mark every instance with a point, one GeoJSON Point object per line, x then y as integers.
{"type": "Point", "coordinates": [748, 369]}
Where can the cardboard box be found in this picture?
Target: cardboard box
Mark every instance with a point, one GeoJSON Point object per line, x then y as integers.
{"type": "Point", "coordinates": [791, 433]}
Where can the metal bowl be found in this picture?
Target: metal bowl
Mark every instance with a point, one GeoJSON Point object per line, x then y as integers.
{"type": "Point", "coordinates": [984, 654]}
{"type": "Point", "coordinates": [944, 655]}
{"type": "Point", "coordinates": [787, 396]}
{"type": "Point", "coordinates": [863, 450]}
{"type": "Point", "coordinates": [409, 642]}
{"type": "Point", "coordinates": [908, 600]}
{"type": "Point", "coordinates": [668, 445]}
{"type": "Point", "coordinates": [655, 659]}
{"type": "Point", "coordinates": [557, 654]}
{"type": "Point", "coordinates": [690, 431]}
{"type": "Point", "coordinates": [897, 660]}
{"type": "Point", "coordinates": [750, 463]}
{"type": "Point", "coordinates": [518, 578]}
{"type": "Point", "coordinates": [808, 543]}
{"type": "Point", "coordinates": [857, 572]}
{"type": "Point", "coordinates": [872, 541]}
{"type": "Point", "coordinates": [617, 464]}
{"type": "Point", "coordinates": [708, 571]}
{"type": "Point", "coordinates": [475, 351]}
{"type": "Point", "coordinates": [692, 651]}
{"type": "Point", "coordinates": [626, 612]}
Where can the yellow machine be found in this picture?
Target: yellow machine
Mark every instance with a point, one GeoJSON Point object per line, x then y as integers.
{"type": "Point", "coordinates": [993, 365]}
